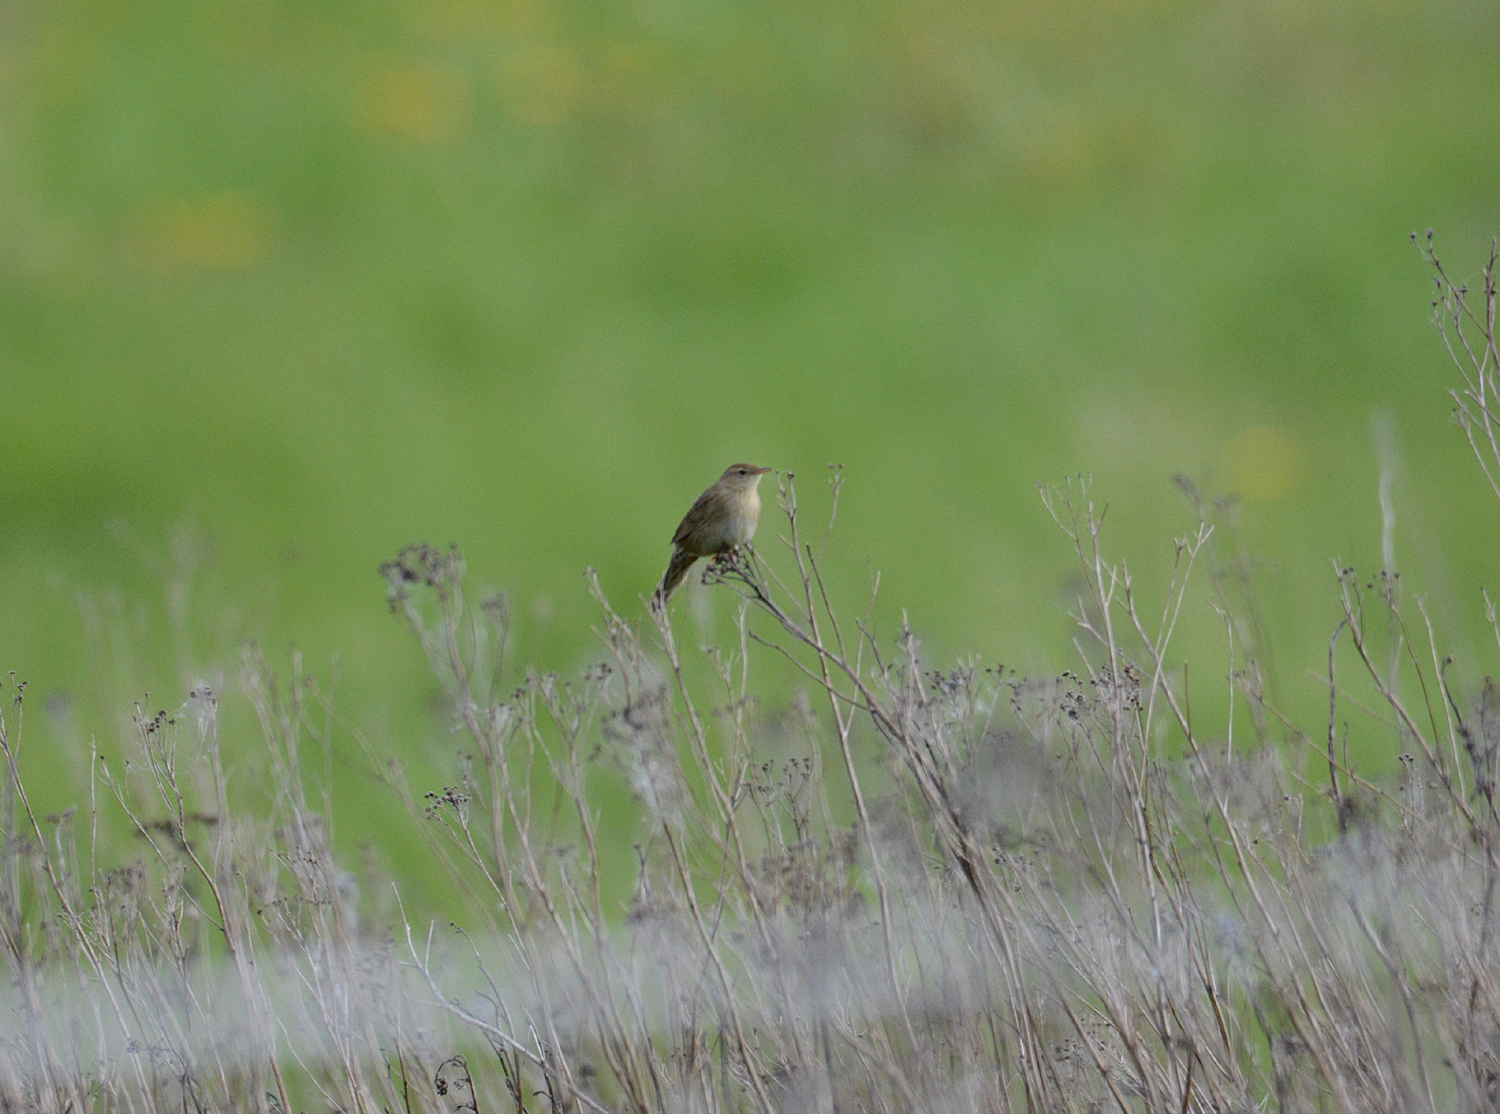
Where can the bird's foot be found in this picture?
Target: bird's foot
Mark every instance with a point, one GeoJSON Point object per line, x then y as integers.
{"type": "Point", "coordinates": [736, 560]}
{"type": "Point", "coordinates": [721, 565]}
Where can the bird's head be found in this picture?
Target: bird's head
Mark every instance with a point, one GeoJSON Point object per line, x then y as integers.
{"type": "Point", "coordinates": [742, 477]}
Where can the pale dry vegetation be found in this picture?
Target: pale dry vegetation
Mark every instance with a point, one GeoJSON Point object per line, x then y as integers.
{"type": "Point", "coordinates": [905, 891]}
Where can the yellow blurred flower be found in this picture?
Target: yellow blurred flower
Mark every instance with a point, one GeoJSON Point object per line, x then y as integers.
{"type": "Point", "coordinates": [541, 83]}
{"type": "Point", "coordinates": [1263, 463]}
{"type": "Point", "coordinates": [221, 232]}
{"type": "Point", "coordinates": [421, 101]}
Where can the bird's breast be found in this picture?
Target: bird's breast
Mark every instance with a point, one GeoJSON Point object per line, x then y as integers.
{"type": "Point", "coordinates": [742, 522]}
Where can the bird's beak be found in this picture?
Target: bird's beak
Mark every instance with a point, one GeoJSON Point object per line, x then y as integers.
{"type": "Point", "coordinates": [763, 471]}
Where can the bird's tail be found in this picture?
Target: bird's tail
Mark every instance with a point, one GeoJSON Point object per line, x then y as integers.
{"type": "Point", "coordinates": [676, 572]}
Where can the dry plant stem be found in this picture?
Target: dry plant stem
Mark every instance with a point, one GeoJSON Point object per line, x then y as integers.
{"type": "Point", "coordinates": [1352, 619]}
{"type": "Point", "coordinates": [422, 963]}
{"type": "Point", "coordinates": [1438, 665]}
{"type": "Point", "coordinates": [895, 726]}
{"type": "Point", "coordinates": [241, 943]}
{"type": "Point", "coordinates": [330, 961]}
{"type": "Point", "coordinates": [1333, 706]}
{"type": "Point", "coordinates": [158, 745]}
{"type": "Point", "coordinates": [727, 815]}
{"type": "Point", "coordinates": [1478, 364]}
{"type": "Point", "coordinates": [724, 800]}
{"type": "Point", "coordinates": [843, 722]}
{"type": "Point", "coordinates": [1397, 974]}
{"type": "Point", "coordinates": [1354, 614]}
{"type": "Point", "coordinates": [1104, 581]}
{"type": "Point", "coordinates": [520, 882]}
{"type": "Point", "coordinates": [625, 647]}
{"type": "Point", "coordinates": [60, 1093]}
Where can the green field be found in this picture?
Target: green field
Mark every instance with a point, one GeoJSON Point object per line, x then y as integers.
{"type": "Point", "coordinates": [285, 287]}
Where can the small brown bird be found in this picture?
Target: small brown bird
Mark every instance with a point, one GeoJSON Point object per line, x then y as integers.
{"type": "Point", "coordinates": [721, 520]}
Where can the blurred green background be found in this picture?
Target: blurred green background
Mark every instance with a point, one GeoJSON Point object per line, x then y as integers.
{"type": "Point", "coordinates": [286, 286]}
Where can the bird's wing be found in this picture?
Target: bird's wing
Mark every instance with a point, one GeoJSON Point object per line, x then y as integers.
{"type": "Point", "coordinates": [690, 520]}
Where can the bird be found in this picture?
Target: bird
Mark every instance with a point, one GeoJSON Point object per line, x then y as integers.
{"type": "Point", "coordinates": [720, 520]}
